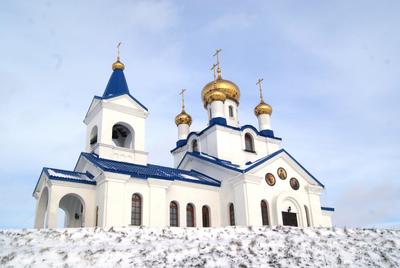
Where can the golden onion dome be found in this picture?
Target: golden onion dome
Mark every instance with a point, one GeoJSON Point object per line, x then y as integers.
{"type": "Point", "coordinates": [183, 118]}
{"type": "Point", "coordinates": [118, 65]}
{"type": "Point", "coordinates": [228, 88]}
{"type": "Point", "coordinates": [263, 108]}
{"type": "Point", "coordinates": [215, 95]}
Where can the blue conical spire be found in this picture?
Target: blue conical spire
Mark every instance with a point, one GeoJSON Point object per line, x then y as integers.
{"type": "Point", "coordinates": [117, 84]}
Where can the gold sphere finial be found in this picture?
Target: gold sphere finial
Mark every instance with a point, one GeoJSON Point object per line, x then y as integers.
{"type": "Point", "coordinates": [183, 117]}
{"type": "Point", "coordinates": [262, 107]}
{"type": "Point", "coordinates": [118, 65]}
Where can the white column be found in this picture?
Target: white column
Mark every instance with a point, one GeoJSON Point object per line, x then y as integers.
{"type": "Point", "coordinates": [158, 206]}
{"type": "Point", "coordinates": [264, 121]}
{"type": "Point", "coordinates": [183, 131]}
{"type": "Point", "coordinates": [52, 209]}
{"type": "Point", "coordinates": [217, 109]}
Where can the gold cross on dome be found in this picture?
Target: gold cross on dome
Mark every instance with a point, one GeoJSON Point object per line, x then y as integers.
{"type": "Point", "coordinates": [183, 98]}
{"type": "Point", "coordinates": [216, 54]}
{"type": "Point", "coordinates": [213, 69]}
{"type": "Point", "coordinates": [259, 83]}
{"type": "Point", "coordinates": [119, 44]}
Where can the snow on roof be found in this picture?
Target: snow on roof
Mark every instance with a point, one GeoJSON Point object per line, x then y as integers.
{"type": "Point", "coordinates": [151, 171]}
{"type": "Point", "coordinates": [66, 175]}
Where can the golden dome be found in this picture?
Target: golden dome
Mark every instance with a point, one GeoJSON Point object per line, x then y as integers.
{"type": "Point", "coordinates": [263, 108]}
{"type": "Point", "coordinates": [230, 89]}
{"type": "Point", "coordinates": [215, 95]}
{"type": "Point", "coordinates": [118, 65]}
{"type": "Point", "coordinates": [183, 118]}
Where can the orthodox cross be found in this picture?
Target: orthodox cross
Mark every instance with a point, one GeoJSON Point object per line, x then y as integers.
{"type": "Point", "coordinates": [183, 98]}
{"type": "Point", "coordinates": [119, 44]}
{"type": "Point", "coordinates": [216, 54]}
{"type": "Point", "coordinates": [259, 83]}
{"type": "Point", "coordinates": [213, 69]}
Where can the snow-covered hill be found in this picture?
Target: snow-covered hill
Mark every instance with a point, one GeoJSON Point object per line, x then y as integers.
{"type": "Point", "coordinates": [181, 247]}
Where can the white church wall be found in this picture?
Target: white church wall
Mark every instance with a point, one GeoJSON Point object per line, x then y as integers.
{"type": "Point", "coordinates": [283, 189]}
{"type": "Point", "coordinates": [156, 196]}
{"type": "Point", "coordinates": [227, 196]}
{"type": "Point", "coordinates": [198, 195]}
{"type": "Point", "coordinates": [325, 219]}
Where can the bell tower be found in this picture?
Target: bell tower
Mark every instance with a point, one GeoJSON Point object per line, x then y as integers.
{"type": "Point", "coordinates": [116, 121]}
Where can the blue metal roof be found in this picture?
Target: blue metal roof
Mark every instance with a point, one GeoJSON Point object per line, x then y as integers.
{"type": "Point", "coordinates": [328, 209]}
{"type": "Point", "coordinates": [71, 176]}
{"type": "Point", "coordinates": [249, 166]}
{"type": "Point", "coordinates": [151, 171]}
{"type": "Point", "coordinates": [118, 86]}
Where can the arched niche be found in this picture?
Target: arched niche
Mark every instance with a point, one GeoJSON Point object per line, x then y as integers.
{"type": "Point", "coordinates": [123, 135]}
{"type": "Point", "coordinates": [93, 136]}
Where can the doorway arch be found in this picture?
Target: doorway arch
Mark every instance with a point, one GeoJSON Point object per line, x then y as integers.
{"type": "Point", "coordinates": [74, 208]}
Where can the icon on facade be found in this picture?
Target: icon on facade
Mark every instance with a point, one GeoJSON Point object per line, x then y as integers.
{"type": "Point", "coordinates": [294, 183]}
{"type": "Point", "coordinates": [270, 179]}
{"type": "Point", "coordinates": [282, 173]}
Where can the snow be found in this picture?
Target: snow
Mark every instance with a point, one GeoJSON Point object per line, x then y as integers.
{"type": "Point", "coordinates": [189, 177]}
{"type": "Point", "coordinates": [202, 247]}
{"type": "Point", "coordinates": [54, 173]}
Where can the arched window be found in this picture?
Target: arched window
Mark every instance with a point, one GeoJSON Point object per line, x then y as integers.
{"type": "Point", "coordinates": [249, 142]}
{"type": "Point", "coordinates": [230, 108]}
{"type": "Point", "coordinates": [307, 216]}
{"type": "Point", "coordinates": [264, 213]}
{"type": "Point", "coordinates": [93, 136]}
{"type": "Point", "coordinates": [136, 211]}
{"type": "Point", "coordinates": [190, 215]}
{"type": "Point", "coordinates": [231, 214]}
{"type": "Point", "coordinates": [195, 146]}
{"type": "Point", "coordinates": [122, 136]}
{"type": "Point", "coordinates": [206, 216]}
{"type": "Point", "coordinates": [173, 214]}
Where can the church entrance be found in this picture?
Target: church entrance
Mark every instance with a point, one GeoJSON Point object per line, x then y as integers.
{"type": "Point", "coordinates": [73, 207]}
{"type": "Point", "coordinates": [289, 218]}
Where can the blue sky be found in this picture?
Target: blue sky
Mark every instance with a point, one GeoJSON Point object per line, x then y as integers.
{"type": "Point", "coordinates": [331, 73]}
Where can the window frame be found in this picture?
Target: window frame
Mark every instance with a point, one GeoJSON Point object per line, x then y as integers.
{"type": "Point", "coordinates": [190, 216]}
{"type": "Point", "coordinates": [206, 218]}
{"type": "Point", "coordinates": [249, 143]}
{"type": "Point", "coordinates": [173, 214]}
{"type": "Point", "coordinates": [232, 221]}
{"type": "Point", "coordinates": [265, 213]}
{"type": "Point", "coordinates": [136, 209]}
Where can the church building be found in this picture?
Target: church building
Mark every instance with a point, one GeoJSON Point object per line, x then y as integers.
{"type": "Point", "coordinates": [225, 174]}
